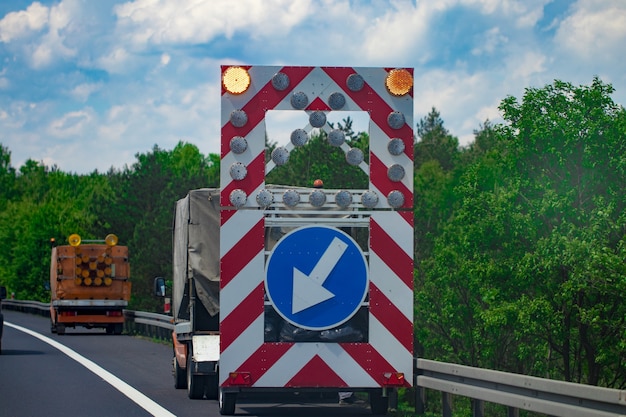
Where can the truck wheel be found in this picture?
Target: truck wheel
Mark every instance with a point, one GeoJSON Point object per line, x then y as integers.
{"type": "Point", "coordinates": [227, 402]}
{"type": "Point", "coordinates": [378, 403]}
{"type": "Point", "coordinates": [211, 388]}
{"type": "Point", "coordinates": [118, 328]}
{"type": "Point", "coordinates": [195, 384]}
{"type": "Point", "coordinates": [180, 376]}
{"type": "Point", "coordinates": [60, 329]}
{"type": "Point", "coordinates": [53, 327]}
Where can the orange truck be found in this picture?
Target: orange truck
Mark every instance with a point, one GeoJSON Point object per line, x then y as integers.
{"type": "Point", "coordinates": [89, 284]}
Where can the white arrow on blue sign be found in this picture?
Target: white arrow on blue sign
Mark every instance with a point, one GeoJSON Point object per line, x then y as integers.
{"type": "Point", "coordinates": [316, 277]}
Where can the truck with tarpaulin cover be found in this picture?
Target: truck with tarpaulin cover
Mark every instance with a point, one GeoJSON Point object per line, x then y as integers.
{"type": "Point", "coordinates": [311, 289]}
{"type": "Point", "coordinates": [89, 284]}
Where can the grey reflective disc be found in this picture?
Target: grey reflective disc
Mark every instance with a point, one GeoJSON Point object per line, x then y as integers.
{"type": "Point", "coordinates": [395, 146]}
{"type": "Point", "coordinates": [280, 155]}
{"type": "Point", "coordinates": [238, 118]}
{"type": "Point", "coordinates": [355, 82]}
{"type": "Point", "coordinates": [299, 100]}
{"type": "Point", "coordinates": [317, 119]}
{"type": "Point", "coordinates": [354, 156]}
{"type": "Point", "coordinates": [299, 137]}
{"type": "Point", "coordinates": [336, 101]}
{"type": "Point", "coordinates": [336, 137]}
{"type": "Point", "coordinates": [395, 120]}
{"type": "Point", "coordinates": [280, 81]}
{"type": "Point", "coordinates": [238, 144]}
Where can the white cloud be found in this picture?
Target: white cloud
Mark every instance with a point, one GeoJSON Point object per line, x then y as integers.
{"type": "Point", "coordinates": [454, 95]}
{"type": "Point", "coordinates": [595, 30]}
{"type": "Point", "coordinates": [393, 36]}
{"type": "Point", "coordinates": [16, 25]}
{"type": "Point", "coordinates": [492, 39]}
{"type": "Point", "coordinates": [70, 124]}
{"type": "Point", "coordinates": [82, 91]}
{"type": "Point", "coordinates": [525, 13]}
{"type": "Point", "coordinates": [146, 72]}
{"type": "Point", "coordinates": [116, 61]}
{"type": "Point", "coordinates": [23, 26]}
{"type": "Point", "coordinates": [192, 21]}
{"type": "Point", "coordinates": [523, 67]}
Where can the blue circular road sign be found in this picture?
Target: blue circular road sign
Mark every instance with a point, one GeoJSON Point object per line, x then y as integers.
{"type": "Point", "coordinates": [316, 277]}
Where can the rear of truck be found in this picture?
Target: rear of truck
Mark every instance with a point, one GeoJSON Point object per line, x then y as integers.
{"type": "Point", "coordinates": [195, 293]}
{"type": "Point", "coordinates": [89, 285]}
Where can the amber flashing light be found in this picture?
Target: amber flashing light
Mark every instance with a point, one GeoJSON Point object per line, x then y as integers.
{"type": "Point", "coordinates": [399, 82]}
{"type": "Point", "coordinates": [236, 80]}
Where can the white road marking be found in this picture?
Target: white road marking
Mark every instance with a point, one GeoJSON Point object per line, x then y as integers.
{"type": "Point", "coordinates": [136, 396]}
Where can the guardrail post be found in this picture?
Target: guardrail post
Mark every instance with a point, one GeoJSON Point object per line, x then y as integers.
{"type": "Point", "coordinates": [446, 404]}
{"type": "Point", "coordinates": [420, 400]}
{"type": "Point", "coordinates": [512, 412]}
{"type": "Point", "coordinates": [478, 408]}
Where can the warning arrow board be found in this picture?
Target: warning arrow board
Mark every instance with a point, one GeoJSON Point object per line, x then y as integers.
{"type": "Point", "coordinates": [316, 277]}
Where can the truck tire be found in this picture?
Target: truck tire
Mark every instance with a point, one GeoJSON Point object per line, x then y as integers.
{"type": "Point", "coordinates": [195, 384]}
{"type": "Point", "coordinates": [180, 376]}
{"type": "Point", "coordinates": [378, 403]}
{"type": "Point", "coordinates": [53, 327]}
{"type": "Point", "coordinates": [227, 401]}
{"type": "Point", "coordinates": [60, 329]}
{"type": "Point", "coordinates": [211, 387]}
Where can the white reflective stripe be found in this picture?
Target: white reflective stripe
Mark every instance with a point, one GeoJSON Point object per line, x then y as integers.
{"type": "Point", "coordinates": [390, 348]}
{"type": "Point", "coordinates": [242, 348]}
{"type": "Point", "coordinates": [397, 228]}
{"type": "Point", "coordinates": [242, 285]}
{"type": "Point", "coordinates": [236, 227]}
{"type": "Point", "coordinates": [391, 286]}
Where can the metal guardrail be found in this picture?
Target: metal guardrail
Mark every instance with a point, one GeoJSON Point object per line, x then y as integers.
{"type": "Point", "coordinates": [517, 392]}
{"type": "Point", "coordinates": [539, 395]}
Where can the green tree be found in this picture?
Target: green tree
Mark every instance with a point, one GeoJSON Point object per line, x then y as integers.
{"type": "Point", "coordinates": [528, 272]}
{"type": "Point", "coordinates": [7, 177]}
{"type": "Point", "coordinates": [568, 146]}
{"type": "Point", "coordinates": [48, 204]}
{"type": "Point", "coordinates": [143, 210]}
{"type": "Point", "coordinates": [435, 142]}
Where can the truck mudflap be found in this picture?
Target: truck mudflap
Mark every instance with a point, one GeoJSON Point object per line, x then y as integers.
{"type": "Point", "coordinates": [202, 367]}
{"type": "Point", "coordinates": [206, 348]}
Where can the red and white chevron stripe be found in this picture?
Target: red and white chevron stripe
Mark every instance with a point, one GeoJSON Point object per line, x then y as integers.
{"type": "Point", "coordinates": [242, 238]}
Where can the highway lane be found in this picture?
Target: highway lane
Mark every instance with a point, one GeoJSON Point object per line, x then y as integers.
{"type": "Point", "coordinates": [39, 379]}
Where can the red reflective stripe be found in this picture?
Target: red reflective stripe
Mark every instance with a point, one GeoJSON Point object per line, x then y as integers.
{"type": "Point", "coordinates": [262, 359]}
{"type": "Point", "coordinates": [391, 318]}
{"type": "Point", "coordinates": [316, 373]}
{"type": "Point", "coordinates": [242, 253]}
{"type": "Point", "coordinates": [370, 360]}
{"type": "Point", "coordinates": [226, 215]}
{"type": "Point", "coordinates": [241, 317]}
{"type": "Point", "coordinates": [391, 253]}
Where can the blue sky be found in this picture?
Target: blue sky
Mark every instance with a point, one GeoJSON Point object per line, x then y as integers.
{"type": "Point", "coordinates": [88, 84]}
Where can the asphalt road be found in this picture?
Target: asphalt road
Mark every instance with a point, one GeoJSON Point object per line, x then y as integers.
{"type": "Point", "coordinates": [107, 375]}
